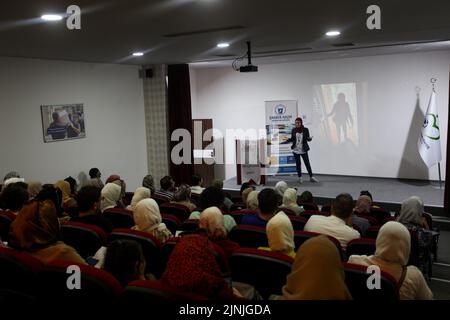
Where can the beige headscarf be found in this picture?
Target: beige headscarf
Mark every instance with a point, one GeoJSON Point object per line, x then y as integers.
{"type": "Point", "coordinates": [110, 196]}
{"type": "Point", "coordinates": [363, 204]}
{"type": "Point", "coordinates": [245, 194]}
{"type": "Point", "coordinates": [317, 273]}
{"type": "Point", "coordinates": [34, 187]}
{"type": "Point", "coordinates": [148, 219]}
{"type": "Point", "coordinates": [290, 197]}
{"type": "Point", "coordinates": [411, 212]}
{"type": "Point", "coordinates": [280, 233]}
{"type": "Point", "coordinates": [67, 200]}
{"type": "Point", "coordinates": [212, 220]}
{"type": "Point", "coordinates": [252, 200]}
{"type": "Point", "coordinates": [139, 194]}
{"type": "Point", "coordinates": [281, 187]}
{"type": "Point", "coordinates": [393, 248]}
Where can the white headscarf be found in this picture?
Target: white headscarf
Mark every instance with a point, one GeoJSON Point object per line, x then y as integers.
{"type": "Point", "coordinates": [110, 196]}
{"type": "Point", "coordinates": [139, 194]}
{"type": "Point", "coordinates": [280, 233]}
{"type": "Point", "coordinates": [281, 187]}
{"type": "Point", "coordinates": [252, 200]}
{"type": "Point", "coordinates": [411, 212]}
{"type": "Point", "coordinates": [12, 180]}
{"type": "Point", "coordinates": [148, 219]}
{"type": "Point", "coordinates": [212, 220]}
{"type": "Point", "coordinates": [290, 197]}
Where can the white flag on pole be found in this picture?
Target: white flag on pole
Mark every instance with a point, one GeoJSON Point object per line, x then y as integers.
{"type": "Point", "coordinates": [429, 140]}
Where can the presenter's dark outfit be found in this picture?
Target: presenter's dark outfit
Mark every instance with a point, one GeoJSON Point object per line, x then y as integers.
{"type": "Point", "coordinates": [300, 148]}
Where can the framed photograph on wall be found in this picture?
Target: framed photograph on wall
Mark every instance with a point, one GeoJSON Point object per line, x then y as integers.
{"type": "Point", "coordinates": [63, 122]}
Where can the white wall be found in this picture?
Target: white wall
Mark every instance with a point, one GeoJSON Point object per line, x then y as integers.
{"type": "Point", "coordinates": [114, 118]}
{"type": "Point", "coordinates": [389, 121]}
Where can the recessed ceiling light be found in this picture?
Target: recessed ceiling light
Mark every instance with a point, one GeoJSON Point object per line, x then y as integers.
{"type": "Point", "coordinates": [333, 33]}
{"type": "Point", "coordinates": [138, 54]}
{"type": "Point", "coordinates": [51, 17]}
{"type": "Point", "coordinates": [223, 45]}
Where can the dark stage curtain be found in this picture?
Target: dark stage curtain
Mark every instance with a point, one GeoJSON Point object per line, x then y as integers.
{"type": "Point", "coordinates": [180, 115]}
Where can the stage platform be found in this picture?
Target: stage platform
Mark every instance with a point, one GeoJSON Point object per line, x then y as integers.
{"type": "Point", "coordinates": [389, 193]}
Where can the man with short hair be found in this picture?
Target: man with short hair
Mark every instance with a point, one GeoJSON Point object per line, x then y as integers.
{"type": "Point", "coordinates": [88, 199]}
{"type": "Point", "coordinates": [14, 196]}
{"type": "Point", "coordinates": [196, 185]}
{"type": "Point", "coordinates": [338, 223]}
{"type": "Point", "coordinates": [167, 186]}
{"type": "Point", "coordinates": [268, 207]}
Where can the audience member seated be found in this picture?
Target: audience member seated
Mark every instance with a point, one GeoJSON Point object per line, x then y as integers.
{"type": "Point", "coordinates": [73, 186]}
{"type": "Point", "coordinates": [147, 218]}
{"type": "Point", "coordinates": [149, 182]}
{"type": "Point", "coordinates": [88, 200]}
{"type": "Point", "coordinates": [290, 201]}
{"type": "Point", "coordinates": [115, 178]}
{"type": "Point", "coordinates": [213, 197]}
{"type": "Point", "coordinates": [14, 196]}
{"type": "Point", "coordinates": [411, 216]}
{"type": "Point", "coordinates": [252, 200]}
{"type": "Point", "coordinates": [192, 267]}
{"type": "Point", "coordinates": [140, 193]}
{"type": "Point", "coordinates": [280, 234]}
{"type": "Point", "coordinates": [183, 196]}
{"type": "Point", "coordinates": [306, 197]}
{"type": "Point", "coordinates": [317, 273]}
{"type": "Point", "coordinates": [227, 200]}
{"type": "Point", "coordinates": [363, 205]}
{"type": "Point", "coordinates": [68, 202]}
{"type": "Point", "coordinates": [50, 192]}
{"type": "Point", "coordinates": [268, 205]}
{"type": "Point", "coordinates": [245, 193]}
{"type": "Point", "coordinates": [367, 193]}
{"type": "Point", "coordinates": [34, 187]}
{"type": "Point", "coordinates": [36, 230]}
{"type": "Point", "coordinates": [110, 196]}
{"type": "Point", "coordinates": [167, 187]}
{"type": "Point", "coordinates": [212, 221]}
{"type": "Point", "coordinates": [11, 174]}
{"type": "Point", "coordinates": [196, 184]}
{"type": "Point", "coordinates": [338, 223]}
{"type": "Point", "coordinates": [393, 247]}
{"type": "Point", "coordinates": [125, 260]}
{"type": "Point", "coordinates": [95, 180]}
{"type": "Point", "coordinates": [280, 188]}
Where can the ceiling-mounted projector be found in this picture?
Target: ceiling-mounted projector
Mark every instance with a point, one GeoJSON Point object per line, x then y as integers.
{"type": "Point", "coordinates": [249, 67]}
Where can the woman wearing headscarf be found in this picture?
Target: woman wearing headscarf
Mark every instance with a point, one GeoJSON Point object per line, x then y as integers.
{"type": "Point", "coordinates": [37, 230]}
{"type": "Point", "coordinates": [317, 273]}
{"type": "Point", "coordinates": [245, 194]}
{"type": "Point", "coordinates": [148, 219]}
{"type": "Point", "coordinates": [290, 201]}
{"type": "Point", "coordinates": [280, 234]}
{"type": "Point", "coordinates": [252, 200]}
{"type": "Point", "coordinates": [67, 201]}
{"type": "Point", "coordinates": [115, 178]}
{"type": "Point", "coordinates": [149, 182]}
{"type": "Point", "coordinates": [392, 252]}
{"type": "Point", "coordinates": [110, 196]}
{"type": "Point", "coordinates": [183, 196]}
{"type": "Point", "coordinates": [212, 220]}
{"type": "Point", "coordinates": [192, 267]}
{"type": "Point", "coordinates": [34, 187]}
{"type": "Point", "coordinates": [140, 193]}
{"type": "Point", "coordinates": [411, 216]}
{"type": "Point", "coordinates": [281, 187]}
{"type": "Point", "coordinates": [363, 205]}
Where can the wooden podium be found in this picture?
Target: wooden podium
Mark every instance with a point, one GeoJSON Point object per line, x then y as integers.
{"type": "Point", "coordinates": [250, 161]}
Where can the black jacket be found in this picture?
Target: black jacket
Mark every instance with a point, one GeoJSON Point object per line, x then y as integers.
{"type": "Point", "coordinates": [305, 139]}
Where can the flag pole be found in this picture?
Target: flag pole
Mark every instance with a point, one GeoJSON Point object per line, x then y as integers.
{"type": "Point", "coordinates": [433, 81]}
